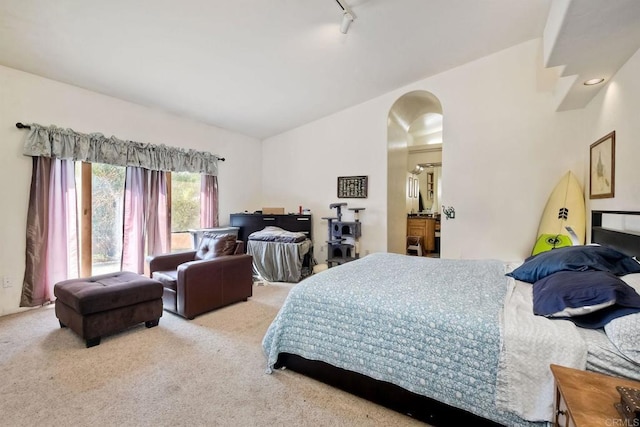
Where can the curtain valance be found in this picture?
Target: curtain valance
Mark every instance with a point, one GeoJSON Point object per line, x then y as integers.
{"type": "Point", "coordinates": [61, 143]}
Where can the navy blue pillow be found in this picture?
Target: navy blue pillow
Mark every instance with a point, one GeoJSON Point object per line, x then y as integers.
{"type": "Point", "coordinates": [575, 258]}
{"type": "Point", "coordinates": [600, 318]}
{"type": "Point", "coordinates": [588, 298]}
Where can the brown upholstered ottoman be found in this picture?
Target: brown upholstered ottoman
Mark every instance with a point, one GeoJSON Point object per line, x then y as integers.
{"type": "Point", "coordinates": [100, 305]}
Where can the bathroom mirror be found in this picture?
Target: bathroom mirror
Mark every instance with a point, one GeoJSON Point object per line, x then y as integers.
{"type": "Point", "coordinates": [430, 181]}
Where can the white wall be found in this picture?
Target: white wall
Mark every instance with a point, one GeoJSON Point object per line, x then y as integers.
{"type": "Point", "coordinates": [398, 204]}
{"type": "Point", "coordinates": [27, 98]}
{"type": "Point", "coordinates": [617, 108]}
{"type": "Point", "coordinates": [300, 167]}
{"type": "Point", "coordinates": [504, 150]}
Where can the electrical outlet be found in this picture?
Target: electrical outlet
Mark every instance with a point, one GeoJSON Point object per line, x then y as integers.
{"type": "Point", "coordinates": [7, 282]}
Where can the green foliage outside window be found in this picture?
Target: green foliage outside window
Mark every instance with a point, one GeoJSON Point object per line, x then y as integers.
{"type": "Point", "coordinates": [106, 221]}
{"type": "Point", "coordinates": [185, 201]}
{"type": "Point", "coordinates": [107, 182]}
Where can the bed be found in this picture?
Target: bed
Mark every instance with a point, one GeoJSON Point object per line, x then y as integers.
{"type": "Point", "coordinates": [280, 255]}
{"type": "Point", "coordinates": [437, 340]}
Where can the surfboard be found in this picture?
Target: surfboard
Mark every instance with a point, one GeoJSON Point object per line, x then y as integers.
{"type": "Point", "coordinates": [563, 221]}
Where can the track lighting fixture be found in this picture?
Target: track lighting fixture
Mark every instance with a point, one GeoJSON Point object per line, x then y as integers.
{"type": "Point", "coordinates": [347, 16]}
{"type": "Point", "coordinates": [347, 19]}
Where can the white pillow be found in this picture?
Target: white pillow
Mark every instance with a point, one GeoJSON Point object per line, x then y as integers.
{"type": "Point", "coordinates": [632, 280]}
{"type": "Point", "coordinates": [624, 333]}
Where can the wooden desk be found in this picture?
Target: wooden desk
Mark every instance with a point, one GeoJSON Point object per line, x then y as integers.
{"type": "Point", "coordinates": [585, 399]}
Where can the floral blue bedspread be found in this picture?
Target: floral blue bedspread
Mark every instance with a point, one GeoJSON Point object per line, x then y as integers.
{"type": "Point", "coordinates": [428, 325]}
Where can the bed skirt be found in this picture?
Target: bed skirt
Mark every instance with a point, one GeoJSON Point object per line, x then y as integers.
{"type": "Point", "coordinates": [383, 393]}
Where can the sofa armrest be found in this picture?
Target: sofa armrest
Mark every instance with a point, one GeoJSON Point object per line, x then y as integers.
{"type": "Point", "coordinates": [203, 285]}
{"type": "Point", "coordinates": [167, 262]}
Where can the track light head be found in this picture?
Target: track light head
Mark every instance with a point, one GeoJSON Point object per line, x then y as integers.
{"type": "Point", "coordinates": [347, 19]}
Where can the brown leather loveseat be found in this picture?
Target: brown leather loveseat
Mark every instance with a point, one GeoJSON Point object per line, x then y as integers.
{"type": "Point", "coordinates": [219, 273]}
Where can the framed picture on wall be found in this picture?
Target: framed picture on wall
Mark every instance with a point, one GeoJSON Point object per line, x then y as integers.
{"type": "Point", "coordinates": [602, 167]}
{"type": "Point", "coordinates": [352, 187]}
{"type": "Point", "coordinates": [410, 186]}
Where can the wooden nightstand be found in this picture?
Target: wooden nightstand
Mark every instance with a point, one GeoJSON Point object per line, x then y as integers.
{"type": "Point", "coordinates": [586, 398]}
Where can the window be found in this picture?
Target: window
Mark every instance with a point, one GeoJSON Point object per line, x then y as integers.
{"type": "Point", "coordinates": [185, 208]}
{"type": "Point", "coordinates": [100, 210]}
{"type": "Point", "coordinates": [107, 236]}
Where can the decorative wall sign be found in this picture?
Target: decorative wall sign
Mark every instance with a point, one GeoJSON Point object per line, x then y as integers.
{"type": "Point", "coordinates": [352, 187]}
{"type": "Point", "coordinates": [603, 167]}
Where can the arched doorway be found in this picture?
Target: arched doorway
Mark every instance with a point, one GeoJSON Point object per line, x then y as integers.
{"type": "Point", "coordinates": [414, 137]}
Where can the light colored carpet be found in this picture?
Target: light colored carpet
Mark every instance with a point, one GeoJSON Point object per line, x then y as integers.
{"type": "Point", "coordinates": [206, 372]}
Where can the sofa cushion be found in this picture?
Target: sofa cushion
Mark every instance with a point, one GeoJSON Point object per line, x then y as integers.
{"type": "Point", "coordinates": [169, 279]}
{"type": "Point", "coordinates": [215, 245]}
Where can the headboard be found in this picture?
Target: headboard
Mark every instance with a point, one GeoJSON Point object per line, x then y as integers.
{"type": "Point", "coordinates": [621, 239]}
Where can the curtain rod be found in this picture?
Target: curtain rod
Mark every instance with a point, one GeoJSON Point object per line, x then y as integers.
{"type": "Point", "coordinates": [19, 125]}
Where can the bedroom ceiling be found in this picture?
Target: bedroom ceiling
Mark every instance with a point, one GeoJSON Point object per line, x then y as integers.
{"type": "Point", "coordinates": [589, 39]}
{"type": "Point", "coordinates": [261, 67]}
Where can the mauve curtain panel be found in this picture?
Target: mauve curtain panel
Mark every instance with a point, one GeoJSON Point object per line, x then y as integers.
{"type": "Point", "coordinates": [51, 230]}
{"type": "Point", "coordinates": [146, 217]}
{"type": "Point", "coordinates": [134, 233]}
{"type": "Point", "coordinates": [208, 201]}
{"type": "Point", "coordinates": [158, 227]}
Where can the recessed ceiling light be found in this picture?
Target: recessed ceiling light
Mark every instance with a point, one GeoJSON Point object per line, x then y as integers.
{"type": "Point", "coordinates": [592, 82]}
